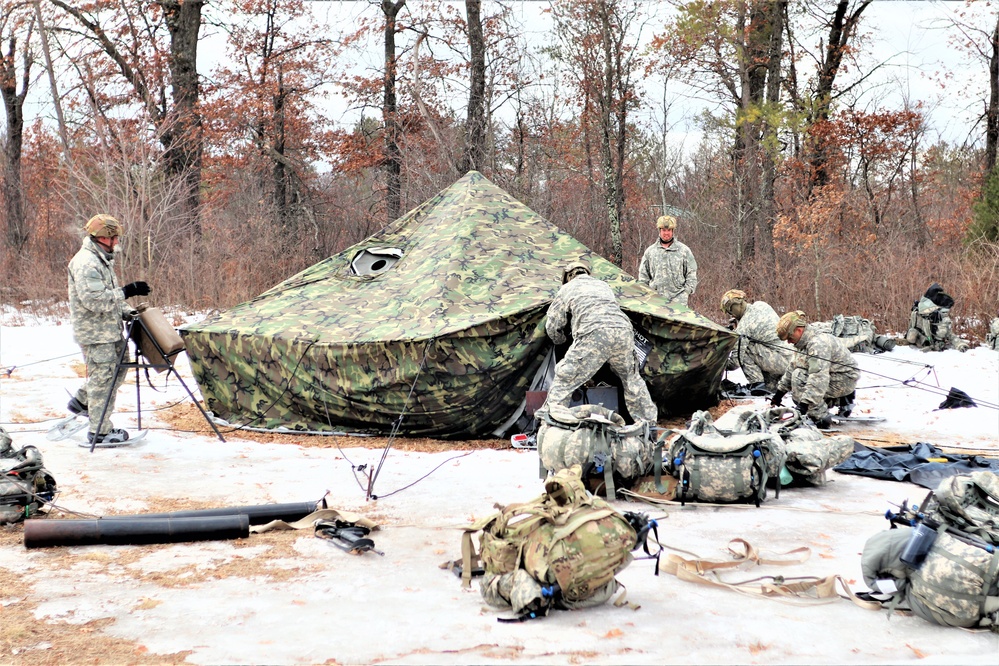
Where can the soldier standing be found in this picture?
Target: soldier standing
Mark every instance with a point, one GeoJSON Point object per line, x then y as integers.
{"type": "Point", "coordinates": [601, 333]}
{"type": "Point", "coordinates": [97, 307]}
{"type": "Point", "coordinates": [762, 355]}
{"type": "Point", "coordinates": [823, 371]}
{"type": "Point", "coordinates": [668, 266]}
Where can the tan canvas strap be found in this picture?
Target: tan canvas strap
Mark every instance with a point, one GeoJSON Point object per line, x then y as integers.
{"type": "Point", "coordinates": [804, 589]}
{"type": "Point", "coordinates": [310, 520]}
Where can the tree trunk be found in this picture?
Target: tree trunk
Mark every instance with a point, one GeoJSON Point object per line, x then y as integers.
{"type": "Point", "coordinates": [393, 156]}
{"type": "Point", "coordinates": [184, 143]}
{"type": "Point", "coordinates": [13, 102]}
{"type": "Point", "coordinates": [841, 29]}
{"type": "Point", "coordinates": [992, 111]}
{"type": "Point", "coordinates": [279, 172]}
{"type": "Point", "coordinates": [475, 126]}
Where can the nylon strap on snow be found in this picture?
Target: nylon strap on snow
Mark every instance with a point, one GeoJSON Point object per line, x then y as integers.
{"type": "Point", "coordinates": [805, 589]}
{"type": "Point", "coordinates": [310, 520]}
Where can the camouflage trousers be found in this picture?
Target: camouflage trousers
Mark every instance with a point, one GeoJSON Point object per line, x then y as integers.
{"type": "Point", "coordinates": [101, 360]}
{"type": "Point", "coordinates": [616, 347]}
{"type": "Point", "coordinates": [837, 388]}
{"type": "Point", "coordinates": [761, 363]}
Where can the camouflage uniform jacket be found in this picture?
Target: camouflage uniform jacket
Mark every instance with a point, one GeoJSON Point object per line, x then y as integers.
{"type": "Point", "coordinates": [826, 362]}
{"type": "Point", "coordinates": [592, 305]}
{"type": "Point", "coordinates": [759, 352]}
{"type": "Point", "coordinates": [96, 302]}
{"type": "Point", "coordinates": [671, 271]}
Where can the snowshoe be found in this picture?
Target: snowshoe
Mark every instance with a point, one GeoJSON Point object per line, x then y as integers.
{"type": "Point", "coordinates": [66, 427]}
{"type": "Point", "coordinates": [113, 436]}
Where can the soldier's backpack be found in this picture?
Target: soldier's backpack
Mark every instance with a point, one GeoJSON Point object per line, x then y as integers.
{"type": "Point", "coordinates": [25, 485]}
{"type": "Point", "coordinates": [560, 550]}
{"type": "Point", "coordinates": [809, 452]}
{"type": "Point", "coordinates": [713, 465]}
{"type": "Point", "coordinates": [930, 325]}
{"type": "Point", "coordinates": [946, 568]}
{"type": "Point", "coordinates": [598, 440]}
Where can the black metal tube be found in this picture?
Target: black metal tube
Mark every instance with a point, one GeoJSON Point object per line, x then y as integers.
{"type": "Point", "coordinates": [39, 533]}
{"type": "Point", "coordinates": [258, 515]}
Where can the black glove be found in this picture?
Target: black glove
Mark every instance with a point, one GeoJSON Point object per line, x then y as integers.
{"type": "Point", "coordinates": [136, 289]}
{"type": "Point", "coordinates": [778, 398]}
{"type": "Point", "coordinates": [824, 423]}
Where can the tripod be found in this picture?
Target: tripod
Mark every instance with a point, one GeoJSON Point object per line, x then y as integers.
{"type": "Point", "coordinates": [148, 354]}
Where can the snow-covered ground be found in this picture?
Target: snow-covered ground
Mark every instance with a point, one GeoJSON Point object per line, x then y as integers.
{"type": "Point", "coordinates": [316, 604]}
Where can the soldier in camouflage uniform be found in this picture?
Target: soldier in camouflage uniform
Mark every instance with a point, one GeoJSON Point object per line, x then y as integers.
{"type": "Point", "coordinates": [762, 356]}
{"type": "Point", "coordinates": [601, 333]}
{"type": "Point", "coordinates": [668, 265]}
{"type": "Point", "coordinates": [822, 372]}
{"type": "Point", "coordinates": [992, 338]}
{"type": "Point", "coordinates": [97, 307]}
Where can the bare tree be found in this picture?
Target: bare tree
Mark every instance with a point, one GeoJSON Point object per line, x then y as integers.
{"type": "Point", "coordinates": [15, 24]}
{"type": "Point", "coordinates": [390, 109]}
{"type": "Point", "coordinates": [127, 39]}
{"type": "Point", "coordinates": [475, 124]}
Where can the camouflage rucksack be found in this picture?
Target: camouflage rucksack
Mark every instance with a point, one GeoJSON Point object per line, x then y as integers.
{"type": "Point", "coordinates": [809, 452]}
{"type": "Point", "coordinates": [560, 550]}
{"type": "Point", "coordinates": [598, 440]}
{"type": "Point", "coordinates": [713, 465]}
{"type": "Point", "coordinates": [946, 568]}
{"type": "Point", "coordinates": [25, 485]}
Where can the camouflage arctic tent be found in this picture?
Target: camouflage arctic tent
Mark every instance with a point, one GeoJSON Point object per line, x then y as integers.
{"type": "Point", "coordinates": [439, 317]}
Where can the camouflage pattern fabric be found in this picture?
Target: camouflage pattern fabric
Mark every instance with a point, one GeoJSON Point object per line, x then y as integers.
{"type": "Point", "coordinates": [822, 369]}
{"type": "Point", "coordinates": [810, 453]}
{"type": "Point", "coordinates": [572, 436]}
{"type": "Point", "coordinates": [957, 585]}
{"type": "Point", "coordinates": [992, 337]}
{"type": "Point", "coordinates": [96, 307]}
{"type": "Point", "coordinates": [671, 271]}
{"type": "Point", "coordinates": [601, 333]}
{"type": "Point", "coordinates": [969, 502]}
{"type": "Point", "coordinates": [451, 335]}
{"type": "Point", "coordinates": [566, 537]}
{"type": "Point", "coordinates": [930, 327]}
{"type": "Point", "coordinates": [713, 466]}
{"type": "Point", "coordinates": [856, 332]}
{"type": "Point", "coordinates": [96, 302]}
{"type": "Point", "coordinates": [98, 389]}
{"type": "Point", "coordinates": [762, 355]}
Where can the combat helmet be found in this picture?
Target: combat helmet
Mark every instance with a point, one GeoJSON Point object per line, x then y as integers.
{"type": "Point", "coordinates": [731, 298]}
{"type": "Point", "coordinates": [666, 222]}
{"type": "Point", "coordinates": [103, 226]}
{"type": "Point", "coordinates": [790, 321]}
{"type": "Point", "coordinates": [573, 269]}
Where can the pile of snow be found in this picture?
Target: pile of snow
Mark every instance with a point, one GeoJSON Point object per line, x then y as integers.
{"type": "Point", "coordinates": [322, 605]}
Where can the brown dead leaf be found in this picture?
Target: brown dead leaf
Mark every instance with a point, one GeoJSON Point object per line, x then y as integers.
{"type": "Point", "coordinates": [916, 651]}
{"type": "Point", "coordinates": [758, 647]}
{"type": "Point", "coordinates": [614, 633]}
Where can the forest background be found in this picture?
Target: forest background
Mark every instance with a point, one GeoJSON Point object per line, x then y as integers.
{"type": "Point", "coordinates": [816, 179]}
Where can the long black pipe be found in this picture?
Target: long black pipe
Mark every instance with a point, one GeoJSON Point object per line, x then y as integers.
{"type": "Point", "coordinates": [39, 533]}
{"type": "Point", "coordinates": [258, 515]}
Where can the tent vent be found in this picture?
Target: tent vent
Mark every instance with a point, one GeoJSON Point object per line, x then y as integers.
{"type": "Point", "coordinates": [375, 260]}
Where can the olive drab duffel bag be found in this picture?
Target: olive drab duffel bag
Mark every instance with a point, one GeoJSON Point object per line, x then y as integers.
{"type": "Point", "coordinates": [560, 550]}
{"type": "Point", "coordinates": [713, 465]}
{"type": "Point", "coordinates": [597, 439]}
{"type": "Point", "coordinates": [25, 485]}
